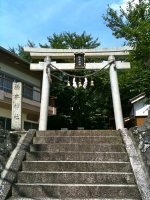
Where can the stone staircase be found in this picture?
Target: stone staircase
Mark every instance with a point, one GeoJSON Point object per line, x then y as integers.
{"type": "Point", "coordinates": [76, 165]}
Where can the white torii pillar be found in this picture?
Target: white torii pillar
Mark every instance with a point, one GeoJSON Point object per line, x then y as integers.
{"type": "Point", "coordinates": [45, 95]}
{"type": "Point", "coordinates": [115, 94]}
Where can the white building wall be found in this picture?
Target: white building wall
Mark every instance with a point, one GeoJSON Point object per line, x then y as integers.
{"type": "Point", "coordinates": [141, 108]}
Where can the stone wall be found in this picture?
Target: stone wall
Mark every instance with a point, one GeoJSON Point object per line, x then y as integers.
{"type": "Point", "coordinates": [142, 137]}
{"type": "Point", "coordinates": [8, 141]}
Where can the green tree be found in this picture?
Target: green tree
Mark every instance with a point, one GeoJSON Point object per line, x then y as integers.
{"type": "Point", "coordinates": [132, 24]}
{"type": "Point", "coordinates": [91, 107]}
{"type": "Point", "coordinates": [69, 40]}
{"type": "Point", "coordinates": [20, 51]}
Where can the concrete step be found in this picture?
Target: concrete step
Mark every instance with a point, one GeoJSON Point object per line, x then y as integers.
{"type": "Point", "coordinates": [24, 198]}
{"type": "Point", "coordinates": [64, 191]}
{"type": "Point", "coordinates": [77, 156]}
{"type": "Point", "coordinates": [76, 166]}
{"type": "Point", "coordinates": [76, 177]}
{"type": "Point", "coordinates": [46, 198]}
{"type": "Point", "coordinates": [78, 139]}
{"type": "Point", "coordinates": [77, 133]}
{"type": "Point", "coordinates": [76, 147]}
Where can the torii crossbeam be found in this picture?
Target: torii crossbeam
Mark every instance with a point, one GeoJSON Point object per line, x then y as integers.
{"type": "Point", "coordinates": [54, 54]}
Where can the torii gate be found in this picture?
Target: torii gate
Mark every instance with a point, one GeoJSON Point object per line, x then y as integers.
{"type": "Point", "coordinates": [109, 53]}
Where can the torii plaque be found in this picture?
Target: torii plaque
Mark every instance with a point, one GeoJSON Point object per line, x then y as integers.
{"type": "Point", "coordinates": [55, 54]}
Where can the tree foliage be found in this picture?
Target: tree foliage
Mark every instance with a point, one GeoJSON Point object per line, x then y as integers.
{"type": "Point", "coordinates": [69, 40]}
{"type": "Point", "coordinates": [132, 24]}
{"type": "Point", "coordinates": [90, 107]}
{"type": "Point", "coordinates": [20, 51]}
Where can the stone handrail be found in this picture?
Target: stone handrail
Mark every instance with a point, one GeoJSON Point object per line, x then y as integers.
{"type": "Point", "coordinates": [139, 169]}
{"type": "Point", "coordinates": [13, 164]}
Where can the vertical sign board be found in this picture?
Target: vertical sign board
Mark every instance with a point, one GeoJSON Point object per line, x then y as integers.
{"type": "Point", "coordinates": [16, 119]}
{"type": "Point", "coordinates": [79, 60]}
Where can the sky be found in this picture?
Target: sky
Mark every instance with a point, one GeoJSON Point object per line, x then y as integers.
{"type": "Point", "coordinates": [35, 20]}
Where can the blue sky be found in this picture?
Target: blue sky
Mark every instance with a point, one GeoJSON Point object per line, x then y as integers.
{"type": "Point", "coordinates": [35, 20]}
